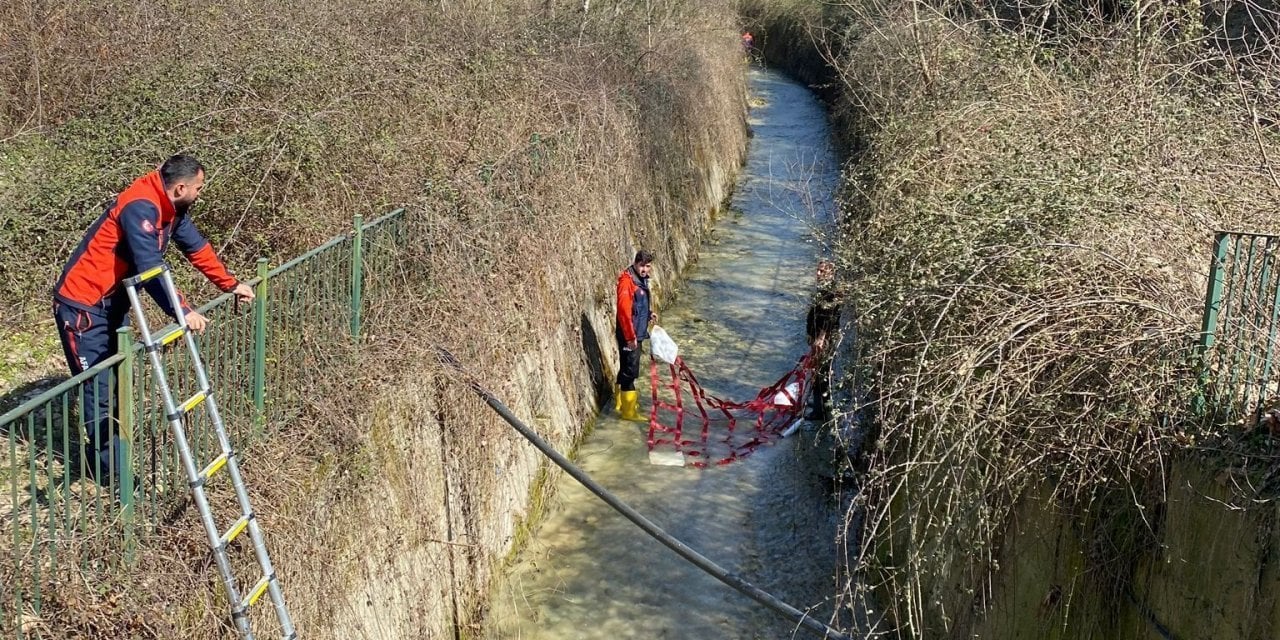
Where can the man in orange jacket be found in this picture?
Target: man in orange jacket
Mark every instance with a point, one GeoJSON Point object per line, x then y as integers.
{"type": "Point", "coordinates": [89, 303]}
{"type": "Point", "coordinates": [635, 312]}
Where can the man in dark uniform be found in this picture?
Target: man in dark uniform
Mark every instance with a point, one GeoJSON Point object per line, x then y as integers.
{"type": "Point", "coordinates": [822, 325]}
{"type": "Point", "coordinates": [635, 312]}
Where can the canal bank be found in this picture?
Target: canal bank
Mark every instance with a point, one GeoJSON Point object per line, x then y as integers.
{"type": "Point", "coordinates": [1027, 252]}
{"type": "Point", "coordinates": [739, 321]}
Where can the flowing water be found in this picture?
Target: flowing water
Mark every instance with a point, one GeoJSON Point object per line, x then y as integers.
{"type": "Point", "coordinates": [587, 572]}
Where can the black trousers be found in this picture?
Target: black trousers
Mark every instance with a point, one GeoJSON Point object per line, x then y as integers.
{"type": "Point", "coordinates": [629, 364]}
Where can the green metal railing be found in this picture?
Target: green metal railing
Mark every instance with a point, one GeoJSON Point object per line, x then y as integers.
{"type": "Point", "coordinates": [259, 357]}
{"type": "Point", "coordinates": [1239, 374]}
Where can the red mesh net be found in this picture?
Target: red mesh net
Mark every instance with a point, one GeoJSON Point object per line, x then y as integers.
{"type": "Point", "coordinates": [707, 430]}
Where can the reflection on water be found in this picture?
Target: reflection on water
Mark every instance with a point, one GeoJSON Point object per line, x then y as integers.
{"type": "Point", "coordinates": [588, 573]}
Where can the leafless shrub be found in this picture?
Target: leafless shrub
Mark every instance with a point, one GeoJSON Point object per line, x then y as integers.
{"type": "Point", "coordinates": [1028, 234]}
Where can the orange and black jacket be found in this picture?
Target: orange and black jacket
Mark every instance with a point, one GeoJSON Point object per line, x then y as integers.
{"type": "Point", "coordinates": [129, 238]}
{"type": "Point", "coordinates": [633, 306]}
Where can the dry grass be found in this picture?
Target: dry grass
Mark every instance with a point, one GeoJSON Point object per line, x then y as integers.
{"type": "Point", "coordinates": [308, 112]}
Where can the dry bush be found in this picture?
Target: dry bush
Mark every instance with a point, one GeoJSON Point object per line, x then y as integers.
{"type": "Point", "coordinates": [1027, 240]}
{"type": "Point", "coordinates": [536, 148]}
{"type": "Point", "coordinates": [305, 112]}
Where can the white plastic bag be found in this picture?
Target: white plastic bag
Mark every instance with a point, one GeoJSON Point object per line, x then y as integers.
{"type": "Point", "coordinates": [662, 346]}
{"type": "Point", "coordinates": [786, 397]}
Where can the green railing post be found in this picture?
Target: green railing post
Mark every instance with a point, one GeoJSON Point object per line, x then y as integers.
{"type": "Point", "coordinates": [357, 274]}
{"type": "Point", "coordinates": [1260, 314]}
{"type": "Point", "coordinates": [1265, 380]}
{"type": "Point", "coordinates": [260, 350]}
{"type": "Point", "coordinates": [1237, 318]}
{"type": "Point", "coordinates": [1209, 321]}
{"type": "Point", "coordinates": [125, 405]}
{"type": "Point", "coordinates": [1213, 296]}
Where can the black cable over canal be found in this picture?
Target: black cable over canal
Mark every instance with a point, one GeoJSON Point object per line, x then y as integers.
{"type": "Point", "coordinates": [702, 562]}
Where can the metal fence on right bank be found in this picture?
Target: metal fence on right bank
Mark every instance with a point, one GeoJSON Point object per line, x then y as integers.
{"type": "Point", "coordinates": [1240, 379]}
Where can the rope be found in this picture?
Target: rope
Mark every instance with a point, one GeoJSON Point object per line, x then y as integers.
{"type": "Point", "coordinates": [702, 562]}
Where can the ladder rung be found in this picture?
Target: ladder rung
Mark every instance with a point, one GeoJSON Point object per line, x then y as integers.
{"type": "Point", "coordinates": [166, 340]}
{"type": "Point", "coordinates": [235, 530]}
{"type": "Point", "coordinates": [258, 590]}
{"type": "Point", "coordinates": [173, 335]}
{"type": "Point", "coordinates": [194, 401]}
{"type": "Point", "coordinates": [190, 404]}
{"type": "Point", "coordinates": [208, 472]}
{"type": "Point", "coordinates": [144, 276]}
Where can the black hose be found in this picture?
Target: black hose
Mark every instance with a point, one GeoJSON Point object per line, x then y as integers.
{"type": "Point", "coordinates": [683, 550]}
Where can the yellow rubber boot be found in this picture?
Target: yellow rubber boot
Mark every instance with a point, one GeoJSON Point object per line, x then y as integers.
{"type": "Point", "coordinates": [631, 406]}
{"type": "Point", "coordinates": [617, 398]}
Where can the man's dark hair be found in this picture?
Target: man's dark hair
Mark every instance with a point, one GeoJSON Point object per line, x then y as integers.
{"type": "Point", "coordinates": [643, 257]}
{"type": "Point", "coordinates": [179, 167]}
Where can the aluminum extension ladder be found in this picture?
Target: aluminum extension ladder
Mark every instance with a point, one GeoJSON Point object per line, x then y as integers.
{"type": "Point", "coordinates": [196, 478]}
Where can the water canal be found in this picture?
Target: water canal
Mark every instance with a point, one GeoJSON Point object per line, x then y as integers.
{"type": "Point", "coordinates": [587, 573]}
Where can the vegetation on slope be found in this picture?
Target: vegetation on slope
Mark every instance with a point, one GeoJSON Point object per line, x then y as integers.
{"type": "Point", "coordinates": [309, 112]}
{"type": "Point", "coordinates": [1028, 226]}
{"type": "Point", "coordinates": [536, 146]}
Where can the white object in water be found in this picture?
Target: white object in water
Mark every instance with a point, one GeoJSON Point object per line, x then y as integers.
{"type": "Point", "coordinates": [792, 427]}
{"type": "Point", "coordinates": [662, 346]}
{"type": "Point", "coordinates": [666, 458]}
{"type": "Point", "coordinates": [788, 396]}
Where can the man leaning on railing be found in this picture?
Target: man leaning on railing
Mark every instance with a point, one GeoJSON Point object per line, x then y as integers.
{"type": "Point", "coordinates": [89, 303]}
